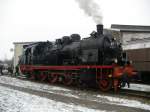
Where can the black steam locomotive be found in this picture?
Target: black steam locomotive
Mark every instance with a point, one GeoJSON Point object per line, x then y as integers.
{"type": "Point", "coordinates": [96, 60]}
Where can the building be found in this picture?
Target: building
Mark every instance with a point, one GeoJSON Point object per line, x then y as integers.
{"type": "Point", "coordinates": [136, 42]}
{"type": "Point", "coordinates": [133, 36]}
{"type": "Point", "coordinates": [18, 50]}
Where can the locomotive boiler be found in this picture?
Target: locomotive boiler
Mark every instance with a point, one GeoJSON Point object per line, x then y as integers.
{"type": "Point", "coordinates": [97, 60]}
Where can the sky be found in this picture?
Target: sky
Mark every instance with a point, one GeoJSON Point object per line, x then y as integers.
{"type": "Point", "coordinates": [42, 20]}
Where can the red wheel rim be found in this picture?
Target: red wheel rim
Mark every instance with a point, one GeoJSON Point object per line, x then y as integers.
{"type": "Point", "coordinates": [52, 78]}
{"type": "Point", "coordinates": [68, 79]}
{"type": "Point", "coordinates": [42, 76]}
{"type": "Point", "coordinates": [32, 76]}
{"type": "Point", "coordinates": [21, 70]}
{"type": "Point", "coordinates": [105, 84]}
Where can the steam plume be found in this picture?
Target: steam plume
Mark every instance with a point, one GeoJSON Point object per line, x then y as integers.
{"type": "Point", "coordinates": [91, 9]}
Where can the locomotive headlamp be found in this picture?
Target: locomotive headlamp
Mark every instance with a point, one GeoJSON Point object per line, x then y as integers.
{"type": "Point", "coordinates": [110, 75]}
{"type": "Point", "coordinates": [115, 61]}
{"type": "Point", "coordinates": [130, 62]}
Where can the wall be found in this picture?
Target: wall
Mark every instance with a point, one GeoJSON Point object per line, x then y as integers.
{"type": "Point", "coordinates": [137, 46]}
{"type": "Point", "coordinates": [18, 50]}
{"type": "Point", "coordinates": [132, 36]}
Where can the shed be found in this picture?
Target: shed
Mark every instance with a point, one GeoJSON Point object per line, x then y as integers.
{"type": "Point", "coordinates": [136, 42]}
{"type": "Point", "coordinates": [134, 36]}
{"type": "Point", "coordinates": [18, 50]}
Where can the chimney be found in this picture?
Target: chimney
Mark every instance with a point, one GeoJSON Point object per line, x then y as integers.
{"type": "Point", "coordinates": [100, 29]}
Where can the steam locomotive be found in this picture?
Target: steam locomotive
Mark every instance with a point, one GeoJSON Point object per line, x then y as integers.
{"type": "Point", "coordinates": [97, 60]}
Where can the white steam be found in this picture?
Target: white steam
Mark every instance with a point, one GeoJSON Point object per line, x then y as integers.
{"type": "Point", "coordinates": [91, 9]}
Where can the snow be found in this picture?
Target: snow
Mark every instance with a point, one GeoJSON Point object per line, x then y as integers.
{"type": "Point", "coordinates": [74, 93]}
{"type": "Point", "coordinates": [32, 85]}
{"type": "Point", "coordinates": [37, 86]}
{"type": "Point", "coordinates": [125, 102]}
{"type": "Point", "coordinates": [16, 101]}
{"type": "Point", "coordinates": [140, 87]}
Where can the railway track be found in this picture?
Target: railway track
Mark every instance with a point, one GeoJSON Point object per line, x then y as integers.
{"type": "Point", "coordinates": [123, 92]}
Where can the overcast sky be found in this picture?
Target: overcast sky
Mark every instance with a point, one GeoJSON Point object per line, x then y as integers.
{"type": "Point", "coordinates": [41, 20]}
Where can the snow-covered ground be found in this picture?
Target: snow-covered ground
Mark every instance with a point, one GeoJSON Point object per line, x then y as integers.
{"type": "Point", "coordinates": [16, 101]}
{"type": "Point", "coordinates": [73, 93]}
{"type": "Point", "coordinates": [140, 87]}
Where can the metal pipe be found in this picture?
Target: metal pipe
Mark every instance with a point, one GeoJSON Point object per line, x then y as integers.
{"type": "Point", "coordinates": [100, 29]}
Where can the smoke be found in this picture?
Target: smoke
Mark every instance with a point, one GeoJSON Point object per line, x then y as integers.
{"type": "Point", "coordinates": [91, 9]}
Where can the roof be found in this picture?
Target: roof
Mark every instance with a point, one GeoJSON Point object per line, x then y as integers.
{"type": "Point", "coordinates": [131, 28]}
{"type": "Point", "coordinates": [26, 42]}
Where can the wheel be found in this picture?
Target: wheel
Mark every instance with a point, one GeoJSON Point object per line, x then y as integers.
{"type": "Point", "coordinates": [68, 79]}
{"type": "Point", "coordinates": [52, 78]}
{"type": "Point", "coordinates": [41, 76]}
{"type": "Point", "coordinates": [105, 84]}
{"type": "Point", "coordinates": [32, 76]}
